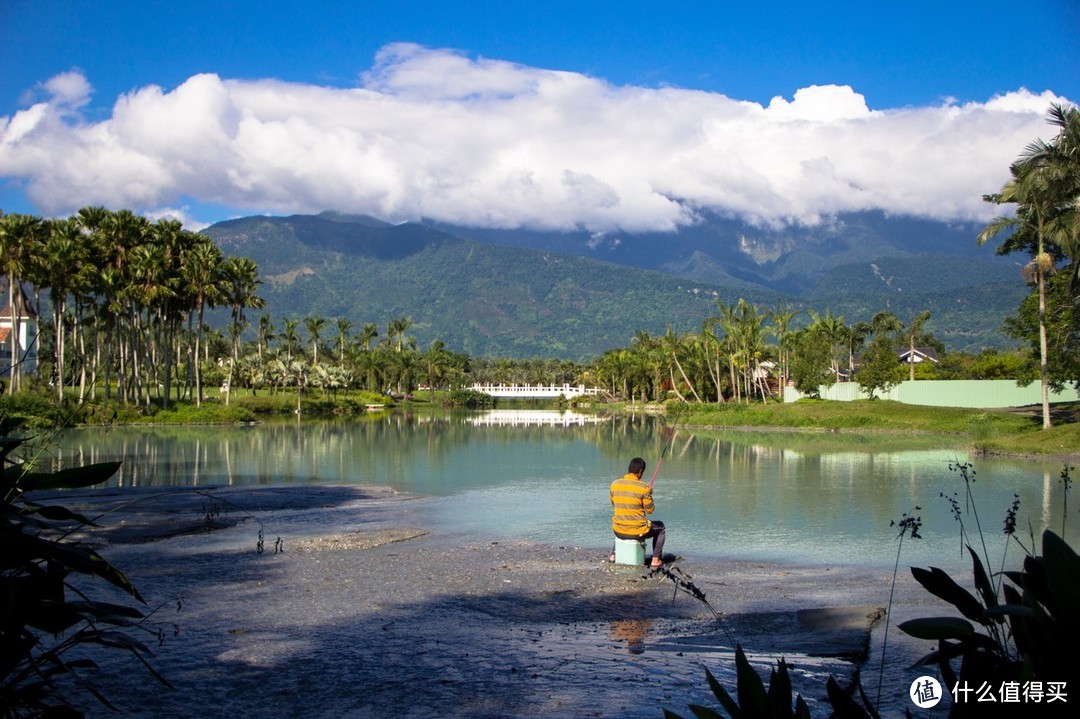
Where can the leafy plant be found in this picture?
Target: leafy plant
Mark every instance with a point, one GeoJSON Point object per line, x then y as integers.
{"type": "Point", "coordinates": [45, 615]}
{"type": "Point", "coordinates": [1027, 634]}
{"type": "Point", "coordinates": [755, 700]}
{"type": "Point", "coordinates": [909, 525]}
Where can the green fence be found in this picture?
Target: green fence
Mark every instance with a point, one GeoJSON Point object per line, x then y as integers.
{"type": "Point", "coordinates": [975, 393]}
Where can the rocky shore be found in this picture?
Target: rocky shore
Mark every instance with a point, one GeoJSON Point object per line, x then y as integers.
{"type": "Point", "coordinates": [357, 607]}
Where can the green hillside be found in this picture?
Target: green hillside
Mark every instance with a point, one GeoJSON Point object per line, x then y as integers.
{"type": "Point", "coordinates": [490, 299]}
{"type": "Point", "coordinates": [480, 299]}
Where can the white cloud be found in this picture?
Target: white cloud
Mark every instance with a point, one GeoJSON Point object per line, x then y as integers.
{"type": "Point", "coordinates": [433, 133]}
{"type": "Point", "coordinates": [69, 88]}
{"type": "Point", "coordinates": [183, 215]}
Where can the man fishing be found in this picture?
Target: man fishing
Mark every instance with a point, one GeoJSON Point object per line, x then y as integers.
{"type": "Point", "coordinates": [632, 502]}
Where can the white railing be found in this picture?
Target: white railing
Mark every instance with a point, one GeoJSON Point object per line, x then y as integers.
{"type": "Point", "coordinates": [538, 391]}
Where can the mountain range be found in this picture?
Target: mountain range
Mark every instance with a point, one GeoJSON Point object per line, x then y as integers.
{"type": "Point", "coordinates": [526, 293]}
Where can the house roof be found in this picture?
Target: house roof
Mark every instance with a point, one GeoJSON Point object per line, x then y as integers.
{"type": "Point", "coordinates": [28, 307]}
{"type": "Point", "coordinates": [922, 354]}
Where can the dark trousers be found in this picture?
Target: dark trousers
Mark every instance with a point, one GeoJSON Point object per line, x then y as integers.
{"type": "Point", "coordinates": [656, 531]}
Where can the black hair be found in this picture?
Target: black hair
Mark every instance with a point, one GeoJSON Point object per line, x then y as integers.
{"type": "Point", "coordinates": [637, 465]}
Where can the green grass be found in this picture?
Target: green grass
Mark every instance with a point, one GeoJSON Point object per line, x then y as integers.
{"type": "Point", "coordinates": [860, 414]}
{"type": "Point", "coordinates": [985, 431]}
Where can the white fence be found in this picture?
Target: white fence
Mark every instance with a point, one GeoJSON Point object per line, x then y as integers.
{"type": "Point", "coordinates": [975, 394]}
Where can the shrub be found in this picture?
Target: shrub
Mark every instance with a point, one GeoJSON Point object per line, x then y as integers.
{"type": "Point", "coordinates": [45, 620]}
{"type": "Point", "coordinates": [469, 399]}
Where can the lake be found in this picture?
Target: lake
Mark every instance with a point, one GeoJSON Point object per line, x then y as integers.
{"type": "Point", "coordinates": [800, 497]}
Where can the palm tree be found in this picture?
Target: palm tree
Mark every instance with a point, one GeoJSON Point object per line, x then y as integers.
{"type": "Point", "coordinates": [911, 331]}
{"type": "Point", "coordinates": [673, 345]}
{"type": "Point", "coordinates": [438, 362]}
{"type": "Point", "coordinates": [1061, 161]}
{"type": "Point", "coordinates": [65, 254]}
{"type": "Point", "coordinates": [122, 232]}
{"type": "Point", "coordinates": [751, 335]}
{"type": "Point", "coordinates": [265, 333]}
{"type": "Point", "coordinates": [201, 270]}
{"type": "Point", "coordinates": [614, 369]}
{"type": "Point", "coordinates": [728, 322]}
{"type": "Point", "coordinates": [396, 331]}
{"type": "Point", "coordinates": [150, 287]}
{"type": "Point", "coordinates": [290, 338]}
{"type": "Point", "coordinates": [835, 331]}
{"type": "Point", "coordinates": [315, 326]}
{"type": "Point", "coordinates": [371, 365]}
{"type": "Point", "coordinates": [1045, 187]}
{"type": "Point", "coordinates": [343, 327]}
{"type": "Point", "coordinates": [782, 317]}
{"type": "Point", "coordinates": [90, 221]}
{"type": "Point", "coordinates": [367, 334]}
{"type": "Point", "coordinates": [405, 366]}
{"type": "Point", "coordinates": [173, 239]}
{"type": "Point", "coordinates": [241, 282]}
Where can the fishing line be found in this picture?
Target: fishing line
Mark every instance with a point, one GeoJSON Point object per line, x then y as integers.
{"type": "Point", "coordinates": [678, 418]}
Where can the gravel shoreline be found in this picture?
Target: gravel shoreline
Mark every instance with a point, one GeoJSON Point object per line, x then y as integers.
{"type": "Point", "coordinates": [369, 613]}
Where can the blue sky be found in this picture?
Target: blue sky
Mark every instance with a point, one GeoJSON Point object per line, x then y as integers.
{"type": "Point", "coordinates": [598, 115]}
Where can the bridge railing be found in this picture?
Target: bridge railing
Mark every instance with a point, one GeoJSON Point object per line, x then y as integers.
{"type": "Point", "coordinates": [539, 390]}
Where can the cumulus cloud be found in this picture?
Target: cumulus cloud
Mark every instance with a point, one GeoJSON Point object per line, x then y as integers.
{"type": "Point", "coordinates": [434, 133]}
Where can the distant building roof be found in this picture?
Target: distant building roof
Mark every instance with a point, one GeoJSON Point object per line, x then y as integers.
{"type": "Point", "coordinates": [28, 306]}
{"type": "Point", "coordinates": [922, 354]}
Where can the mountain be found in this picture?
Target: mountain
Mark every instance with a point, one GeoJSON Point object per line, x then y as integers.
{"type": "Point", "coordinates": [573, 295]}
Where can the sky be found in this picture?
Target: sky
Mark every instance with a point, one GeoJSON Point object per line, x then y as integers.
{"type": "Point", "coordinates": [600, 116]}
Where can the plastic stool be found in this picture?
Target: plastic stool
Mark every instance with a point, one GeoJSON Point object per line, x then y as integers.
{"type": "Point", "coordinates": [630, 551]}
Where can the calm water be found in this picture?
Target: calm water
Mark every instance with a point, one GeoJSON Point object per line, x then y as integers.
{"type": "Point", "coordinates": [544, 475]}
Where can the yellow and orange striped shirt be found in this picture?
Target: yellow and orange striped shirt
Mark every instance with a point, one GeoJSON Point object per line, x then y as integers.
{"type": "Point", "coordinates": [631, 500]}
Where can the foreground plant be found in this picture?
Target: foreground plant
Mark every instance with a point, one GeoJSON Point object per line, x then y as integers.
{"type": "Point", "coordinates": [45, 616]}
{"type": "Point", "coordinates": [755, 700]}
{"type": "Point", "coordinates": [1022, 643]}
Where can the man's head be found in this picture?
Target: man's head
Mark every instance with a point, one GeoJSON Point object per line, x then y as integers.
{"type": "Point", "coordinates": [637, 466]}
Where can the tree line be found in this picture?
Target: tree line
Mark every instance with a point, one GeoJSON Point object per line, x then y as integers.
{"type": "Point", "coordinates": [128, 300]}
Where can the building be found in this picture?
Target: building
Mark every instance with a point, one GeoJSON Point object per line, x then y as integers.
{"type": "Point", "coordinates": [26, 346]}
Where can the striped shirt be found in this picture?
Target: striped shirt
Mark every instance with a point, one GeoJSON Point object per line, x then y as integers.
{"type": "Point", "coordinates": [631, 500]}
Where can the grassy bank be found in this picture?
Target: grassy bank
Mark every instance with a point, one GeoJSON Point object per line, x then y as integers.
{"type": "Point", "coordinates": [1011, 432]}
{"type": "Point", "coordinates": [1015, 432]}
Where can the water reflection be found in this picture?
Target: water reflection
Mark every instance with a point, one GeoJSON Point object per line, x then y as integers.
{"type": "Point", "coordinates": [632, 633]}
{"type": "Point", "coordinates": [813, 497]}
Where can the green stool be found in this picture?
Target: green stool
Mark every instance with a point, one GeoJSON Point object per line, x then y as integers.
{"type": "Point", "coordinates": [630, 551]}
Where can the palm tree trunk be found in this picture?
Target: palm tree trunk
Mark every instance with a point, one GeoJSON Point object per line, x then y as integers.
{"type": "Point", "coordinates": [58, 342]}
{"type": "Point", "coordinates": [1044, 369]}
{"type": "Point", "coordinates": [674, 386]}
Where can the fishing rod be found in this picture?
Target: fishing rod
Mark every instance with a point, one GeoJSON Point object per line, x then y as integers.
{"type": "Point", "coordinates": [678, 418]}
{"type": "Point", "coordinates": [682, 582]}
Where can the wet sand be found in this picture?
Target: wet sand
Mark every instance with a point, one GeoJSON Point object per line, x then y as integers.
{"type": "Point", "coordinates": [368, 612]}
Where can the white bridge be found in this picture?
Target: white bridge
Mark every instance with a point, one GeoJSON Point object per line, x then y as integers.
{"type": "Point", "coordinates": [538, 391]}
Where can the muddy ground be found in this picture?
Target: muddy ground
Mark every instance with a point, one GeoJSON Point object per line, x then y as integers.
{"type": "Point", "coordinates": [370, 612]}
